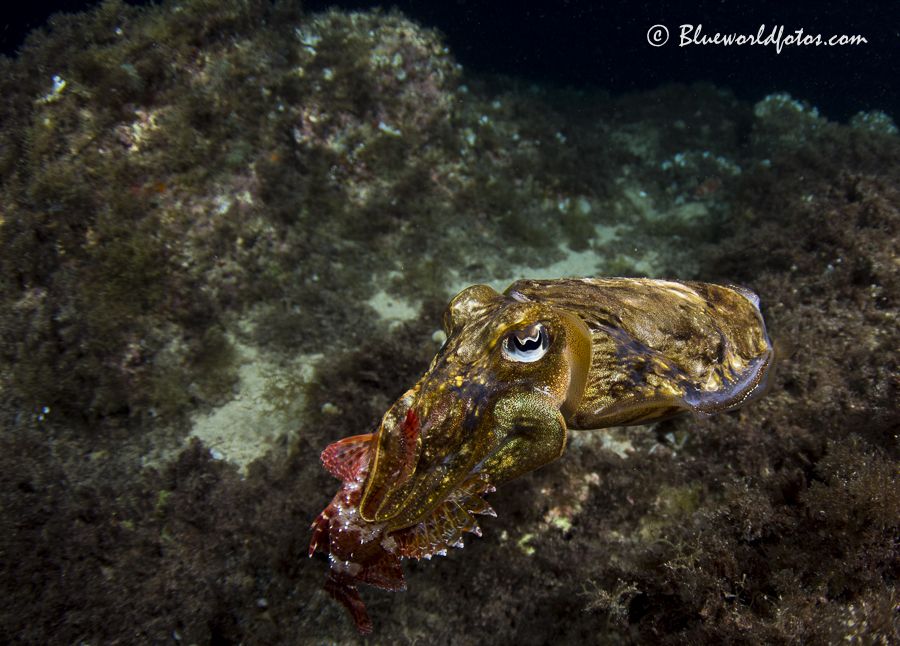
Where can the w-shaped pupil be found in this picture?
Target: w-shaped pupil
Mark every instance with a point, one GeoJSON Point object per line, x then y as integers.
{"type": "Point", "coordinates": [525, 345]}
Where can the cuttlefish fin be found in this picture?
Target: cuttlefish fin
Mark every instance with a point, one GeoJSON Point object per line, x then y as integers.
{"type": "Point", "coordinates": [347, 458]}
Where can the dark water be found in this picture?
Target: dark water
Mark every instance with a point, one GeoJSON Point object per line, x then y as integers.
{"type": "Point", "coordinates": [604, 45]}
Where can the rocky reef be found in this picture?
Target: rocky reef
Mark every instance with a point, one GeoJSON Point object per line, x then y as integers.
{"type": "Point", "coordinates": [227, 233]}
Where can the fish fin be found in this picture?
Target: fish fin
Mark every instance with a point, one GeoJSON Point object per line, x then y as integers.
{"type": "Point", "coordinates": [346, 458]}
{"type": "Point", "coordinates": [320, 532]}
{"type": "Point", "coordinates": [385, 573]}
{"type": "Point", "coordinates": [348, 596]}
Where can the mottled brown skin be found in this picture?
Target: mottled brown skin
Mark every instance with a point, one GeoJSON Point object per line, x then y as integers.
{"type": "Point", "coordinates": [480, 411]}
{"type": "Point", "coordinates": [517, 371]}
{"type": "Point", "coordinates": [662, 347]}
{"type": "Point", "coordinates": [622, 351]}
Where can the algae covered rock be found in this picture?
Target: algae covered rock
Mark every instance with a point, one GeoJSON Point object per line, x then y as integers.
{"type": "Point", "coordinates": [236, 224]}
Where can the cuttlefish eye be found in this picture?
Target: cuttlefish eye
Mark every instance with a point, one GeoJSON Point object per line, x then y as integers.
{"type": "Point", "coordinates": [526, 345]}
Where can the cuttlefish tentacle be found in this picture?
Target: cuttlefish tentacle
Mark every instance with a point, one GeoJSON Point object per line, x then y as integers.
{"type": "Point", "coordinates": [517, 372]}
{"type": "Point", "coordinates": [460, 396]}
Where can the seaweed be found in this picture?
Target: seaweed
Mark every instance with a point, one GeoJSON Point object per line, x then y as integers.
{"type": "Point", "coordinates": [176, 181]}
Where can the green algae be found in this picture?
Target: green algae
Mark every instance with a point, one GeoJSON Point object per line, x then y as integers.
{"type": "Point", "coordinates": [283, 164]}
{"type": "Point", "coordinates": [672, 506]}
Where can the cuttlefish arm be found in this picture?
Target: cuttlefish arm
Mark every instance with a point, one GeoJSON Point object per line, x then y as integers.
{"type": "Point", "coordinates": [518, 370]}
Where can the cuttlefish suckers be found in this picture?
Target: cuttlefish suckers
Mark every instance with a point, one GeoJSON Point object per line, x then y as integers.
{"type": "Point", "coordinates": [520, 368]}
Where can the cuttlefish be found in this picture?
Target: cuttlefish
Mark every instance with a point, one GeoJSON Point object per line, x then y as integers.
{"type": "Point", "coordinates": [518, 371]}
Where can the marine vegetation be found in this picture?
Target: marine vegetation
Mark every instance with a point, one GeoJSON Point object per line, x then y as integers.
{"type": "Point", "coordinates": [206, 204]}
{"type": "Point", "coordinates": [516, 371]}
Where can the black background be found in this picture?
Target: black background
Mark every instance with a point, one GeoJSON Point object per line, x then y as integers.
{"type": "Point", "coordinates": [604, 44]}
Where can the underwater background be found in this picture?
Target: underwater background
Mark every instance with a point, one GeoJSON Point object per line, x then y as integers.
{"type": "Point", "coordinates": [228, 231]}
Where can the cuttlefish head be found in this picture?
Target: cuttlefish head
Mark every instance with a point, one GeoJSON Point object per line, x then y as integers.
{"type": "Point", "coordinates": [493, 403]}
